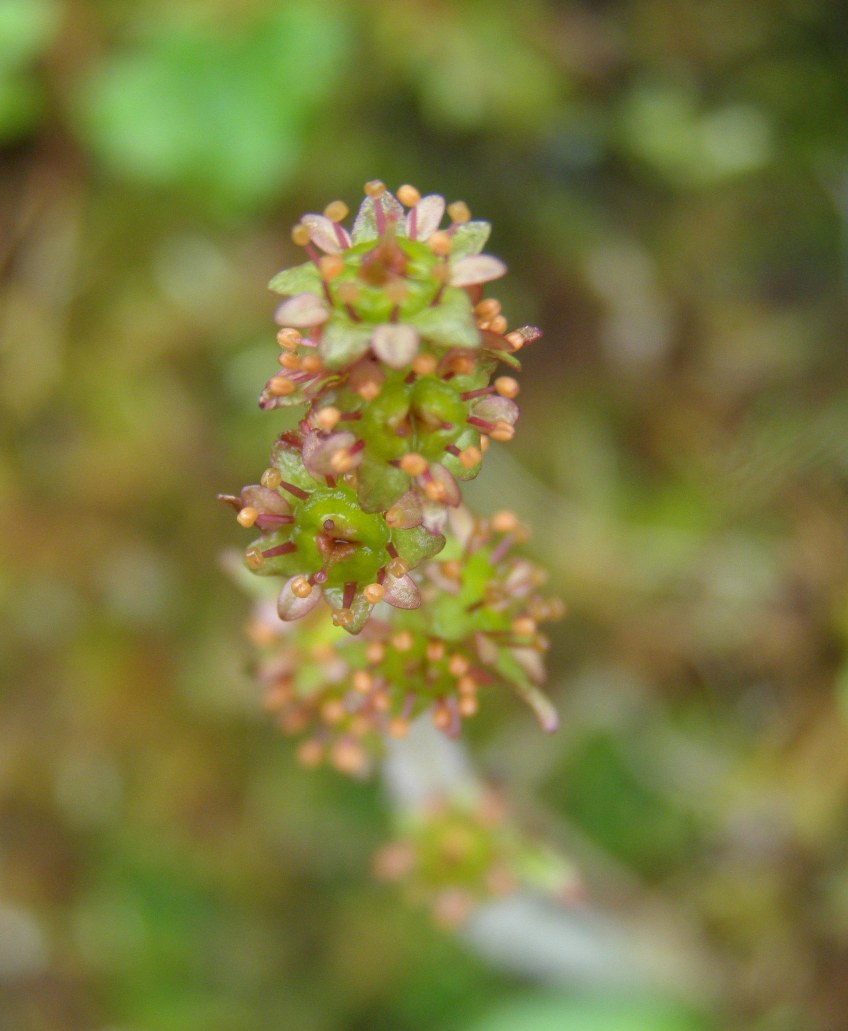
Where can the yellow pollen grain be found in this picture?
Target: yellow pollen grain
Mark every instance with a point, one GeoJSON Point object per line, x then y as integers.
{"type": "Point", "coordinates": [300, 235]}
{"type": "Point", "coordinates": [435, 651]}
{"type": "Point", "coordinates": [310, 753]}
{"type": "Point", "coordinates": [498, 324]}
{"type": "Point", "coordinates": [374, 593]}
{"type": "Point", "coordinates": [311, 363]}
{"type": "Point", "coordinates": [331, 265]}
{"type": "Point", "coordinates": [468, 705]}
{"type": "Point", "coordinates": [281, 386]}
{"type": "Point", "coordinates": [524, 626]}
{"type": "Point", "coordinates": [506, 386]}
{"type": "Point", "coordinates": [424, 364]}
{"type": "Point", "coordinates": [247, 517]}
{"type": "Point", "coordinates": [374, 188]}
{"type": "Point", "coordinates": [254, 558]}
{"type": "Point", "coordinates": [502, 431]}
{"type": "Point", "coordinates": [398, 727]}
{"type": "Point", "coordinates": [397, 568]}
{"type": "Point", "coordinates": [347, 756]}
{"type": "Point", "coordinates": [369, 390]}
{"type": "Point", "coordinates": [336, 211]}
{"type": "Point", "coordinates": [341, 462]}
{"type": "Point", "coordinates": [327, 418]}
{"type": "Point", "coordinates": [408, 195]}
{"type": "Point", "coordinates": [375, 652]}
{"type": "Point", "coordinates": [458, 665]}
{"type": "Point", "coordinates": [470, 456]}
{"type": "Point", "coordinates": [440, 243]}
{"type": "Point", "coordinates": [484, 443]}
{"type": "Point", "coordinates": [466, 685]}
{"type": "Point", "coordinates": [362, 681]}
{"type": "Point", "coordinates": [458, 211]}
{"type": "Point", "coordinates": [488, 309]}
{"type": "Point", "coordinates": [435, 490]}
{"type": "Point", "coordinates": [271, 479]}
{"type": "Point", "coordinates": [301, 587]}
{"type": "Point", "coordinates": [413, 464]}
{"type": "Point", "coordinates": [504, 521]}
{"type": "Point", "coordinates": [333, 711]}
{"type": "Point", "coordinates": [402, 641]}
{"type": "Point", "coordinates": [289, 361]}
{"type": "Point", "coordinates": [515, 340]}
{"type": "Point", "coordinates": [343, 617]}
{"type": "Point", "coordinates": [288, 338]}
{"type": "Point", "coordinates": [452, 569]}
{"type": "Point", "coordinates": [441, 715]}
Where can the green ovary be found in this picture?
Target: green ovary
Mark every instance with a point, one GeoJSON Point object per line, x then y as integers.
{"type": "Point", "coordinates": [354, 547]}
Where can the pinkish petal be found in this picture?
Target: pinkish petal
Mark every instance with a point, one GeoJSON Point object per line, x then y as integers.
{"type": "Point", "coordinates": [319, 453]}
{"type": "Point", "coordinates": [496, 409]}
{"type": "Point", "coordinates": [453, 495]}
{"type": "Point", "coordinates": [531, 662]}
{"type": "Point", "coordinates": [401, 592]}
{"type": "Point", "coordinates": [395, 343]}
{"type": "Point", "coordinates": [302, 310]}
{"type": "Point", "coordinates": [428, 215]}
{"type": "Point", "coordinates": [325, 234]}
{"type": "Point", "coordinates": [461, 523]}
{"type": "Point", "coordinates": [290, 607]}
{"type": "Point", "coordinates": [406, 512]}
{"type": "Point", "coordinates": [264, 500]}
{"type": "Point", "coordinates": [477, 268]}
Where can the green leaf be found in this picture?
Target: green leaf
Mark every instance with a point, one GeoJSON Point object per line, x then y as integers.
{"type": "Point", "coordinates": [543, 708]}
{"type": "Point", "coordinates": [301, 279]}
{"type": "Point", "coordinates": [450, 323]}
{"type": "Point", "coordinates": [342, 342]}
{"type": "Point", "coordinates": [379, 485]}
{"type": "Point", "coordinates": [417, 545]}
{"type": "Point", "coordinates": [469, 238]}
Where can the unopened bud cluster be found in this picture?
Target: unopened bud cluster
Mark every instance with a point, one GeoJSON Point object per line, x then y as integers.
{"type": "Point", "coordinates": [403, 371]}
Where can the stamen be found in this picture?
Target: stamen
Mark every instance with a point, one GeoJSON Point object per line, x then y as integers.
{"type": "Point", "coordinates": [480, 392]}
{"type": "Point", "coordinates": [300, 235]}
{"type": "Point", "coordinates": [414, 464]}
{"type": "Point", "coordinates": [362, 681]}
{"type": "Point", "coordinates": [330, 266]}
{"type": "Point", "coordinates": [311, 364]}
{"type": "Point", "coordinates": [253, 558]}
{"type": "Point", "coordinates": [397, 568]}
{"type": "Point", "coordinates": [488, 308]}
{"type": "Point", "coordinates": [247, 517]}
{"type": "Point", "coordinates": [403, 641]}
{"type": "Point", "coordinates": [408, 195]}
{"type": "Point", "coordinates": [458, 212]}
{"type": "Point", "coordinates": [440, 243]}
{"type": "Point", "coordinates": [301, 587]}
{"type": "Point", "coordinates": [470, 456]}
{"type": "Point", "coordinates": [327, 418]}
{"type": "Point", "coordinates": [336, 211]}
{"type": "Point", "coordinates": [424, 364]}
{"type": "Point", "coordinates": [506, 386]}
{"type": "Point", "coordinates": [373, 593]}
{"type": "Point", "coordinates": [374, 188]}
{"type": "Point", "coordinates": [281, 549]}
{"type": "Point", "coordinates": [288, 337]}
{"type": "Point", "coordinates": [504, 521]}
{"type": "Point", "coordinates": [281, 386]}
{"type": "Point", "coordinates": [290, 487]}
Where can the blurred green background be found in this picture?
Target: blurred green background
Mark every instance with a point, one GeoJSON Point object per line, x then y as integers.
{"type": "Point", "coordinates": [668, 181]}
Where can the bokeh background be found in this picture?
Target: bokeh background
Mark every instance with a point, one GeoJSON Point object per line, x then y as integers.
{"type": "Point", "coordinates": [668, 180]}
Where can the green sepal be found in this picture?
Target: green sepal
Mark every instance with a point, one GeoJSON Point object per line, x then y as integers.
{"type": "Point", "coordinates": [360, 608]}
{"type": "Point", "coordinates": [506, 358]}
{"type": "Point", "coordinates": [450, 323]}
{"type": "Point", "coordinates": [470, 437]}
{"type": "Point", "coordinates": [417, 545]}
{"type": "Point", "coordinates": [469, 238]}
{"type": "Point", "coordinates": [379, 485]}
{"type": "Point", "coordinates": [287, 460]}
{"type": "Point", "coordinates": [343, 342]}
{"type": "Point", "coordinates": [543, 708]}
{"type": "Point", "coordinates": [302, 279]}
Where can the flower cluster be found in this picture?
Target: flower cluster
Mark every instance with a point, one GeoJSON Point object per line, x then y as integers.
{"type": "Point", "coordinates": [476, 629]}
{"type": "Point", "coordinates": [453, 854]}
{"type": "Point", "coordinates": [394, 356]}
